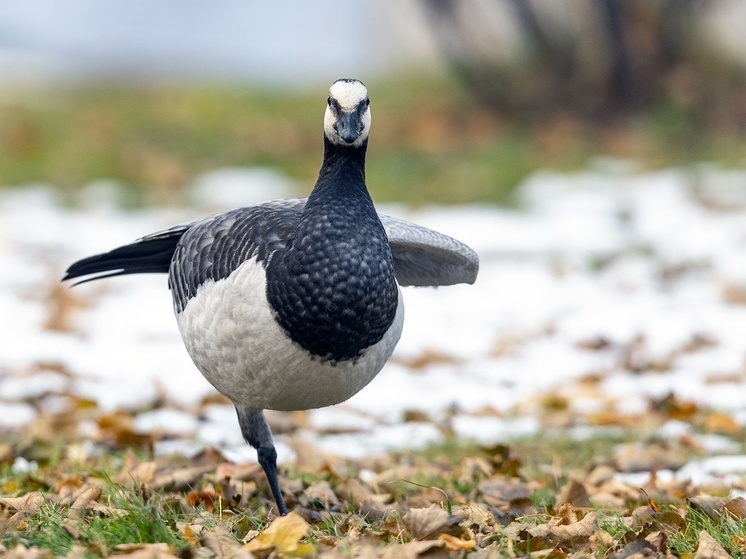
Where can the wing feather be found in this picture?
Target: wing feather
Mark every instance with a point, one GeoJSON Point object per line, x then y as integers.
{"type": "Point", "coordinates": [423, 257]}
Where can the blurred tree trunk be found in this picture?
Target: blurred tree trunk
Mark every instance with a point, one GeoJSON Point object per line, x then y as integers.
{"type": "Point", "coordinates": [595, 57]}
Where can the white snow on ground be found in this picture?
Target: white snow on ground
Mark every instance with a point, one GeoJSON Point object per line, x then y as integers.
{"type": "Point", "coordinates": [641, 260]}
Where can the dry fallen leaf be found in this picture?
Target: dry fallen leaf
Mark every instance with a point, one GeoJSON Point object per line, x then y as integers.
{"type": "Point", "coordinates": [189, 533]}
{"type": "Point", "coordinates": [206, 498]}
{"type": "Point", "coordinates": [283, 535]}
{"type": "Point", "coordinates": [27, 503]}
{"type": "Point", "coordinates": [84, 501]}
{"type": "Point", "coordinates": [736, 508]}
{"type": "Point", "coordinates": [639, 457]}
{"type": "Point", "coordinates": [507, 493]}
{"type": "Point", "coordinates": [413, 550]}
{"type": "Point", "coordinates": [180, 479]}
{"type": "Point", "coordinates": [352, 490]}
{"type": "Point", "coordinates": [575, 494]}
{"type": "Point", "coordinates": [453, 543]}
{"type": "Point", "coordinates": [719, 422]}
{"type": "Point", "coordinates": [68, 484]}
{"type": "Point", "coordinates": [141, 473]}
{"type": "Point", "coordinates": [223, 544]}
{"type": "Point", "coordinates": [708, 548]}
{"type": "Point", "coordinates": [320, 493]}
{"type": "Point", "coordinates": [570, 537]}
{"type": "Point", "coordinates": [711, 506]}
{"type": "Point", "coordinates": [21, 552]}
{"type": "Point", "coordinates": [431, 521]}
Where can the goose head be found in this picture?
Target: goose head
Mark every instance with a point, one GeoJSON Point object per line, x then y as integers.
{"type": "Point", "coordinates": [347, 116]}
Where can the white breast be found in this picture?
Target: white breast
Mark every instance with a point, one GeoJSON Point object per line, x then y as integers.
{"type": "Point", "coordinates": [235, 342]}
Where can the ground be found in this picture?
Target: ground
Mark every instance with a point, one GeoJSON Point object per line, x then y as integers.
{"type": "Point", "coordinates": [583, 397]}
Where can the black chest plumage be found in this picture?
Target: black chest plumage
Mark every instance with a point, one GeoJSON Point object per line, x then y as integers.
{"type": "Point", "coordinates": [333, 288]}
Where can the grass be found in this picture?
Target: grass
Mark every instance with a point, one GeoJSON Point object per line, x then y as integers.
{"type": "Point", "coordinates": [430, 142]}
{"type": "Point", "coordinates": [51, 526]}
{"type": "Point", "coordinates": [728, 532]}
{"type": "Point", "coordinates": [144, 516]}
{"type": "Point", "coordinates": [52, 529]}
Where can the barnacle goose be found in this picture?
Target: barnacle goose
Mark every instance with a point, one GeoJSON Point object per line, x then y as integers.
{"type": "Point", "coordinates": [295, 304]}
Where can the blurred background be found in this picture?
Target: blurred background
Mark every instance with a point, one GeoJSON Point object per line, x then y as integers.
{"type": "Point", "coordinates": [470, 97]}
{"type": "Point", "coordinates": [591, 151]}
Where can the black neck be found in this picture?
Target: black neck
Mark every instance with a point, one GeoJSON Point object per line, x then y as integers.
{"type": "Point", "coordinates": [333, 289]}
{"type": "Point", "coordinates": [347, 160]}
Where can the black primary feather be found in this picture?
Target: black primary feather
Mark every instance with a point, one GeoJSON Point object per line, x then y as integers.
{"type": "Point", "coordinates": [150, 255]}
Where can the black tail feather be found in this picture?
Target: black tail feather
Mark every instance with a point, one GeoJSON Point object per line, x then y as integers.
{"type": "Point", "coordinates": [149, 255]}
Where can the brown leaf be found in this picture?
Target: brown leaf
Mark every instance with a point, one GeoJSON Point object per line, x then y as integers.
{"type": "Point", "coordinates": [601, 541]}
{"type": "Point", "coordinates": [502, 493]}
{"type": "Point", "coordinates": [659, 541]}
{"type": "Point", "coordinates": [673, 408]}
{"type": "Point", "coordinates": [413, 550]}
{"type": "Point", "coordinates": [21, 552]}
{"type": "Point", "coordinates": [180, 479]}
{"type": "Point", "coordinates": [68, 484]}
{"type": "Point", "coordinates": [145, 551]}
{"type": "Point", "coordinates": [415, 416]}
{"type": "Point", "coordinates": [569, 537]}
{"type": "Point", "coordinates": [231, 496]}
{"type": "Point", "coordinates": [283, 535]}
{"type": "Point", "coordinates": [105, 510]}
{"type": "Point", "coordinates": [575, 494]}
{"type": "Point", "coordinates": [141, 473]}
{"type": "Point", "coordinates": [584, 528]}
{"type": "Point", "coordinates": [206, 498]}
{"type": "Point", "coordinates": [453, 543]}
{"type": "Point", "coordinates": [119, 428]}
{"type": "Point", "coordinates": [478, 516]}
{"type": "Point", "coordinates": [189, 533]}
{"type": "Point", "coordinates": [352, 490]}
{"type": "Point", "coordinates": [596, 343]}
{"type": "Point", "coordinates": [27, 503]}
{"type": "Point", "coordinates": [77, 551]}
{"type": "Point", "coordinates": [638, 549]}
{"type": "Point", "coordinates": [427, 358]}
{"type": "Point", "coordinates": [667, 521]}
{"type": "Point", "coordinates": [84, 500]}
{"type": "Point", "coordinates": [708, 548]}
{"type": "Point", "coordinates": [431, 521]}
{"type": "Point", "coordinates": [600, 474]}
{"type": "Point", "coordinates": [736, 508]}
{"type": "Point", "coordinates": [223, 544]}
{"type": "Point", "coordinates": [71, 529]}
{"type": "Point", "coordinates": [320, 493]}
{"type": "Point", "coordinates": [719, 422]}
{"type": "Point", "coordinates": [734, 293]}
{"type": "Point", "coordinates": [534, 539]}
{"type": "Point", "coordinates": [711, 506]}
{"type": "Point", "coordinates": [638, 457]}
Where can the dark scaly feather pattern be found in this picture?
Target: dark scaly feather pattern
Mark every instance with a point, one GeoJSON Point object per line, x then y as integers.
{"type": "Point", "coordinates": [333, 290]}
{"type": "Point", "coordinates": [213, 248]}
{"type": "Point", "coordinates": [422, 257]}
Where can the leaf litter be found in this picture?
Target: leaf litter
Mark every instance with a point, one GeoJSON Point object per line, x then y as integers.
{"type": "Point", "coordinates": [485, 504]}
{"type": "Point", "coordinates": [631, 448]}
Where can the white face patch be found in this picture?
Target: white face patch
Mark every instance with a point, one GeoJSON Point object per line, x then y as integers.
{"type": "Point", "coordinates": [348, 95]}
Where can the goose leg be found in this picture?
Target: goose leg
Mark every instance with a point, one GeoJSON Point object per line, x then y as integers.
{"type": "Point", "coordinates": [256, 432]}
